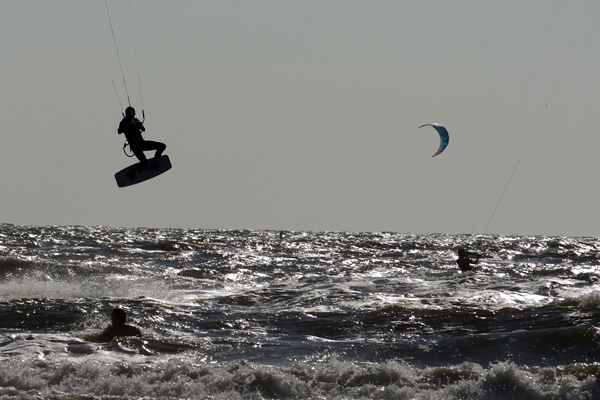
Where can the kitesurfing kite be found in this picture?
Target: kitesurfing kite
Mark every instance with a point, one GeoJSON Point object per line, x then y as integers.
{"type": "Point", "coordinates": [444, 137]}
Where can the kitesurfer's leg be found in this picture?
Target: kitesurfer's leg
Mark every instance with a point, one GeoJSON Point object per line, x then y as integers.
{"type": "Point", "coordinates": [160, 149]}
{"type": "Point", "coordinates": [158, 146]}
{"type": "Point", "coordinates": [139, 153]}
{"type": "Point", "coordinates": [152, 145]}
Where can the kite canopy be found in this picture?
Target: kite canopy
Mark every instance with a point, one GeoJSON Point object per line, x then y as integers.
{"type": "Point", "coordinates": [444, 137]}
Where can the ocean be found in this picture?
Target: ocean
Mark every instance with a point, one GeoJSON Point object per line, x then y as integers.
{"type": "Point", "coordinates": [257, 314]}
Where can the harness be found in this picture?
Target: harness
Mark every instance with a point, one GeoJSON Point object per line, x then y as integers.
{"type": "Point", "coordinates": [126, 144]}
{"type": "Point", "coordinates": [125, 151]}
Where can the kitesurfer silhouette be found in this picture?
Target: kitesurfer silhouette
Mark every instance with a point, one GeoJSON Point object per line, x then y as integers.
{"type": "Point", "coordinates": [118, 327]}
{"type": "Point", "coordinates": [464, 262]}
{"type": "Point", "coordinates": [133, 128]}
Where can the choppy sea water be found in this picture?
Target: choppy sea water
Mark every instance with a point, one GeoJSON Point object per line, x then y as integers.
{"type": "Point", "coordinates": [296, 315]}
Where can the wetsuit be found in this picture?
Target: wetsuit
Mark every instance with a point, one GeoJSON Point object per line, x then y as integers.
{"type": "Point", "coordinates": [133, 128]}
{"type": "Point", "coordinates": [464, 264]}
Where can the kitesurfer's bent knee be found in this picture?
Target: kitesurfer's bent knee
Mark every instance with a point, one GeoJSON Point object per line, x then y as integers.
{"type": "Point", "coordinates": [160, 149]}
{"type": "Point", "coordinates": [139, 148]}
{"type": "Point", "coordinates": [152, 145]}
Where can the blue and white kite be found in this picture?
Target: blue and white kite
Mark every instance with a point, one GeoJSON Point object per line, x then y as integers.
{"type": "Point", "coordinates": [444, 137]}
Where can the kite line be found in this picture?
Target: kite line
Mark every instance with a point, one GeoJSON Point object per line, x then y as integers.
{"type": "Point", "coordinates": [567, 71]}
{"type": "Point", "coordinates": [118, 56]}
{"type": "Point", "coordinates": [117, 51]}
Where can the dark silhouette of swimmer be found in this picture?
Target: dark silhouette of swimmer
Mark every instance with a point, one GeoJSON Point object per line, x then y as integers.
{"type": "Point", "coordinates": [464, 262]}
{"type": "Point", "coordinates": [119, 327]}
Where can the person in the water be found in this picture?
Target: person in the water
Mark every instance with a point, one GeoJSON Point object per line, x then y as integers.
{"type": "Point", "coordinates": [119, 327]}
{"type": "Point", "coordinates": [464, 262]}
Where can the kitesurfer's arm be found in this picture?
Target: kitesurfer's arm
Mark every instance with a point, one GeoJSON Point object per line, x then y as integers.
{"type": "Point", "coordinates": [121, 127]}
{"type": "Point", "coordinates": [136, 122]}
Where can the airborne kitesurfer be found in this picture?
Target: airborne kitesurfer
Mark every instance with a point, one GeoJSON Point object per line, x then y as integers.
{"type": "Point", "coordinates": [133, 128]}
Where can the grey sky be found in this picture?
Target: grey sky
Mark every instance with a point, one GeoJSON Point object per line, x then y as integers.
{"type": "Point", "coordinates": [303, 115]}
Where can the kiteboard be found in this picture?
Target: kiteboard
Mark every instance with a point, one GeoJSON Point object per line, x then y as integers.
{"type": "Point", "coordinates": [135, 173]}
